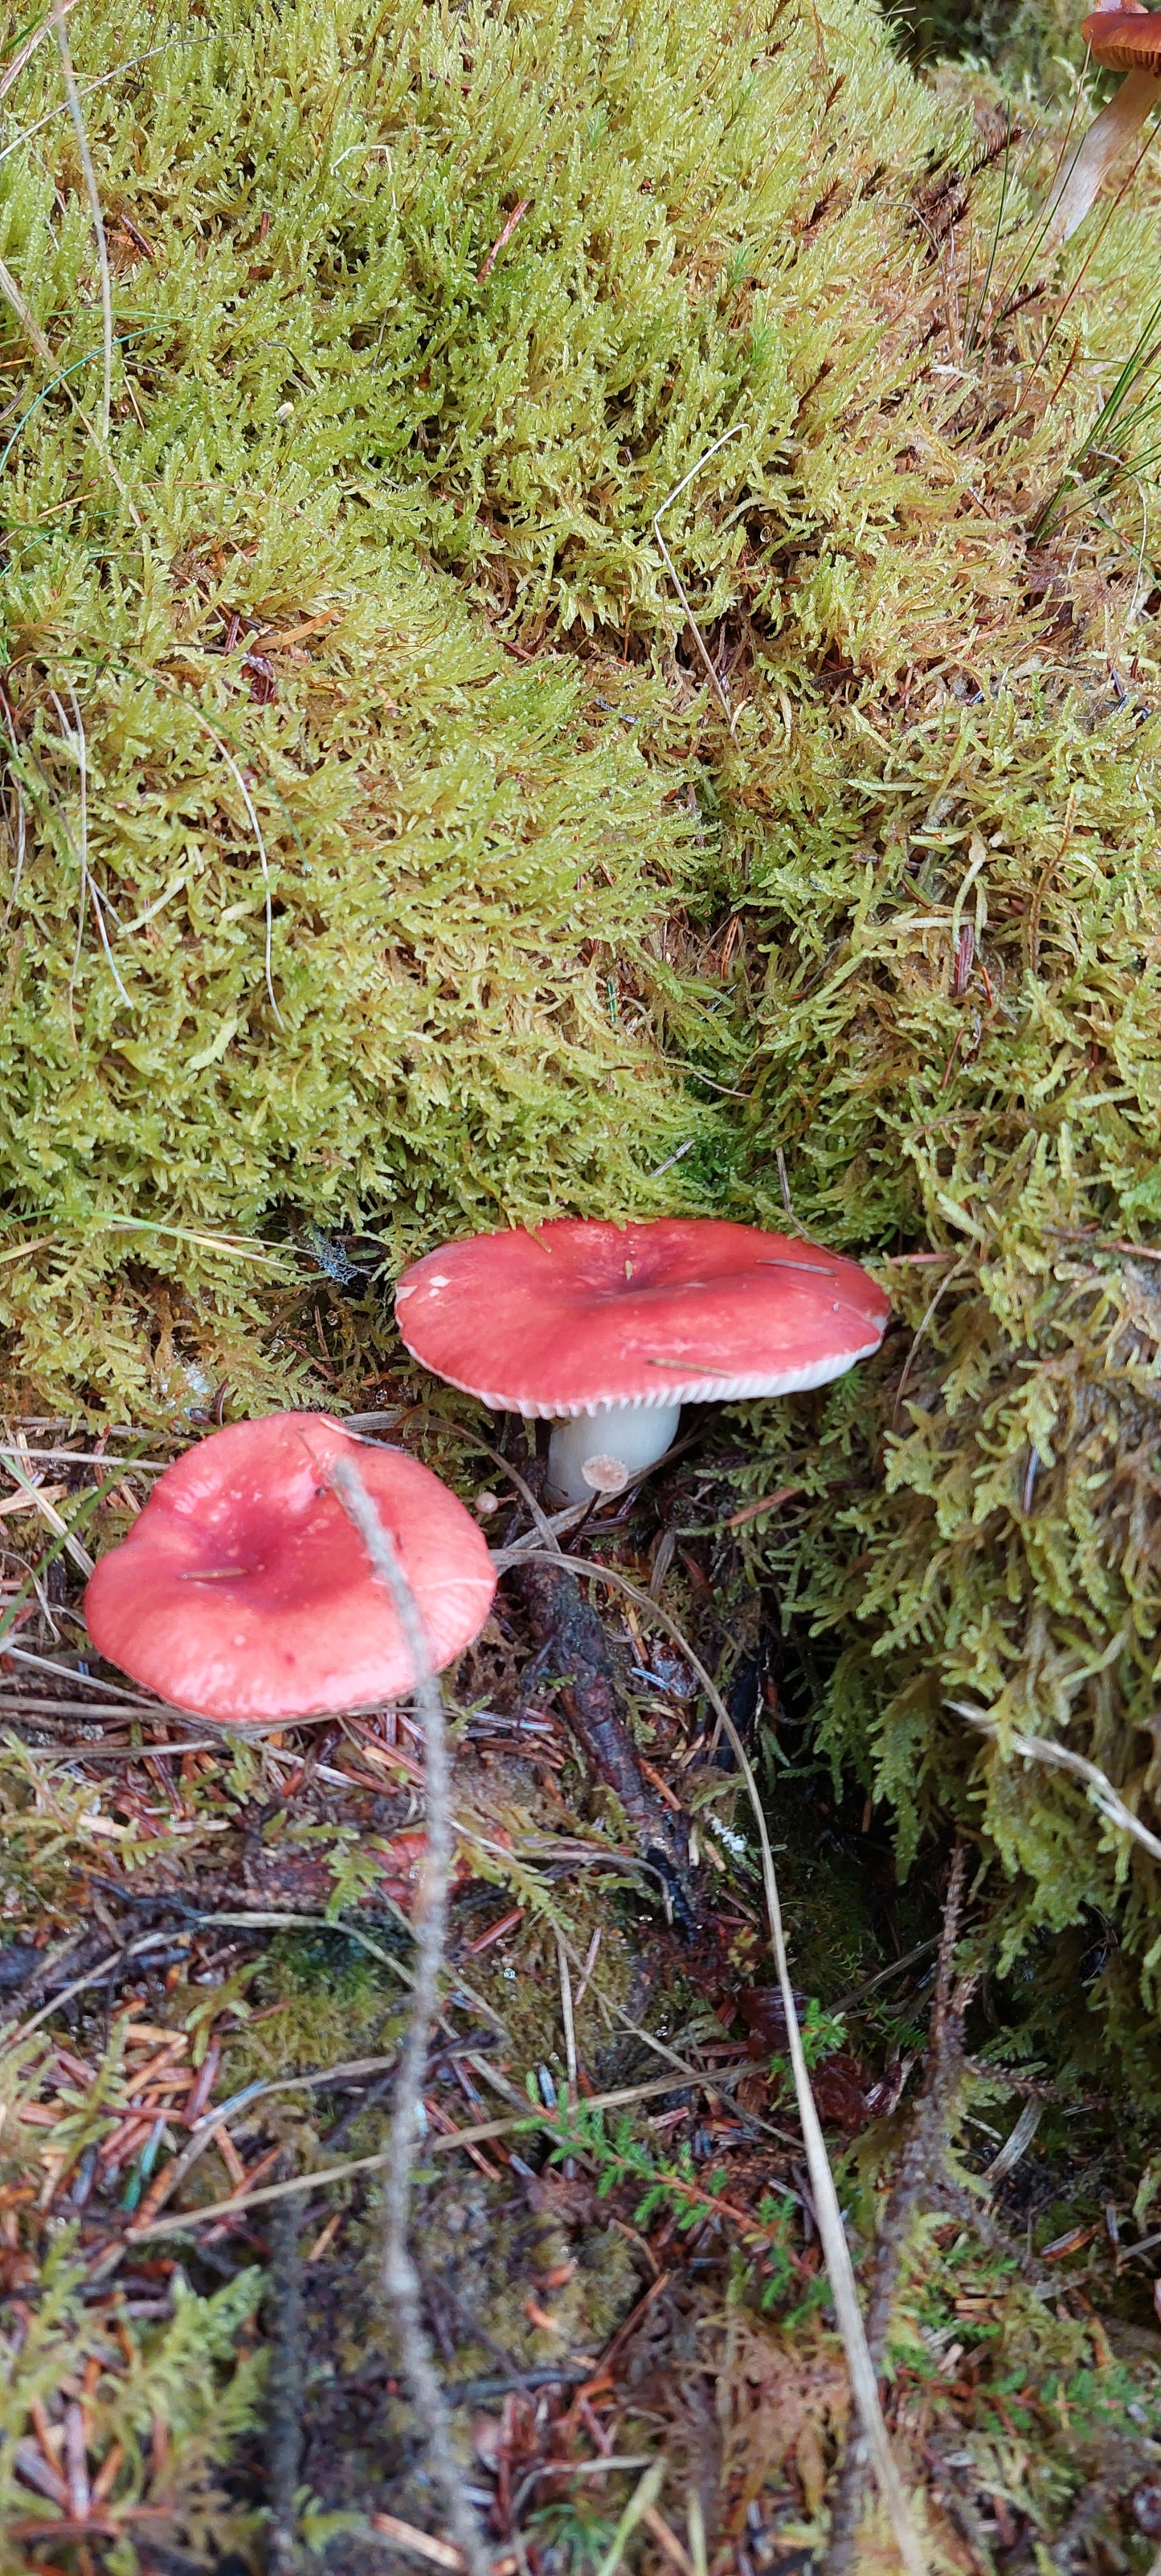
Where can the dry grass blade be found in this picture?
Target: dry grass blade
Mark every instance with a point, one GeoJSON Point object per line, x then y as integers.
{"type": "Point", "coordinates": [920, 2168]}
{"type": "Point", "coordinates": [264, 862]}
{"type": "Point", "coordinates": [73, 735]}
{"type": "Point", "coordinates": [400, 2278]}
{"type": "Point", "coordinates": [20, 838]}
{"type": "Point", "coordinates": [569, 2019]}
{"type": "Point", "coordinates": [33, 333]}
{"type": "Point", "coordinates": [93, 194]}
{"type": "Point", "coordinates": [715, 683]}
{"type": "Point", "coordinates": [945, 1283]}
{"type": "Point", "coordinates": [47, 1511]}
{"type": "Point", "coordinates": [840, 2271]}
{"type": "Point", "coordinates": [285, 2390]}
{"type": "Point", "coordinates": [479, 2134]}
{"type": "Point", "coordinates": [1039, 1748]}
{"type": "Point", "coordinates": [643, 2498]}
{"type": "Point", "coordinates": [25, 51]}
{"type": "Point", "coordinates": [540, 1518]}
{"type": "Point", "coordinates": [28, 322]}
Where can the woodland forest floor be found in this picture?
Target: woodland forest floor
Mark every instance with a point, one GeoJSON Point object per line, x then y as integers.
{"type": "Point", "coordinates": [831, 899]}
{"type": "Point", "coordinates": [620, 2261]}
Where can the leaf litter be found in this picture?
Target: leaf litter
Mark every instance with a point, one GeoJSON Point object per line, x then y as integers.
{"type": "Point", "coordinates": [607, 2283]}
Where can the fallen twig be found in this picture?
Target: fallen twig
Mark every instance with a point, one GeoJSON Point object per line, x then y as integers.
{"type": "Point", "coordinates": [568, 1632]}
{"type": "Point", "coordinates": [42, 1973]}
{"type": "Point", "coordinates": [400, 2278]}
{"type": "Point", "coordinates": [96, 1977]}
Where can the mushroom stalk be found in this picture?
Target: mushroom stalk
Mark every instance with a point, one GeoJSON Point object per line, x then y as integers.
{"type": "Point", "coordinates": [1099, 152]}
{"type": "Point", "coordinates": [599, 1453]}
{"type": "Point", "coordinates": [606, 1330]}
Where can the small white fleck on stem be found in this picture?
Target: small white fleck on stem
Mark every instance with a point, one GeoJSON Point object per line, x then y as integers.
{"type": "Point", "coordinates": [585, 1454]}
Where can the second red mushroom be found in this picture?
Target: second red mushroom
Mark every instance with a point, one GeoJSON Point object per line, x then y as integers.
{"type": "Point", "coordinates": [607, 1330]}
{"type": "Point", "coordinates": [244, 1593]}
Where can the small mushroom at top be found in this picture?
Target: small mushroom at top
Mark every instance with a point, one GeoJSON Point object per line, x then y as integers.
{"type": "Point", "coordinates": [244, 1594]}
{"type": "Point", "coordinates": [607, 1330]}
{"type": "Point", "coordinates": [1124, 36]}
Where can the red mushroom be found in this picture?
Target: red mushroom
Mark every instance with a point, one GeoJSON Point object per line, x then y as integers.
{"type": "Point", "coordinates": [244, 1594]}
{"type": "Point", "coordinates": [608, 1330]}
{"type": "Point", "coordinates": [1123, 36]}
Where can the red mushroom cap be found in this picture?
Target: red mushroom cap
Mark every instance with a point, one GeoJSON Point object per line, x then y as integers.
{"type": "Point", "coordinates": [244, 1593]}
{"type": "Point", "coordinates": [1125, 38]}
{"type": "Point", "coordinates": [681, 1310]}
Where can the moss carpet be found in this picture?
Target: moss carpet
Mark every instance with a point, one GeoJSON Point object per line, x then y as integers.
{"type": "Point", "coordinates": [600, 626]}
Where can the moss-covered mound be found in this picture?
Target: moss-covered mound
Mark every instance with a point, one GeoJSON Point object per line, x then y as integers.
{"type": "Point", "coordinates": [316, 904]}
{"type": "Point", "coordinates": [410, 827]}
{"type": "Point", "coordinates": [319, 906]}
{"type": "Point", "coordinates": [347, 950]}
{"type": "Point", "coordinates": [963, 1021]}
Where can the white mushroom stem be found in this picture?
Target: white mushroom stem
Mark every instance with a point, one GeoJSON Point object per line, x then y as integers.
{"type": "Point", "coordinates": [599, 1453]}
{"type": "Point", "coordinates": [1100, 150]}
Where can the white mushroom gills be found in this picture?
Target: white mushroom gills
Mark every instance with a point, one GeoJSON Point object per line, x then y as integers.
{"type": "Point", "coordinates": [600, 1453]}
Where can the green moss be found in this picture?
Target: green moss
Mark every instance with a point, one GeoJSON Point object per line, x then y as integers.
{"type": "Point", "coordinates": [386, 948]}
{"type": "Point", "coordinates": [501, 818]}
{"type": "Point", "coordinates": [325, 388]}
{"type": "Point", "coordinates": [453, 859]}
{"type": "Point", "coordinates": [185, 2375]}
{"type": "Point", "coordinates": [984, 1531]}
{"type": "Point", "coordinates": [441, 936]}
